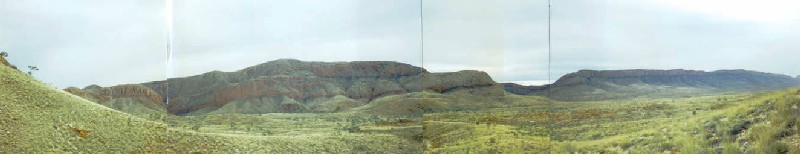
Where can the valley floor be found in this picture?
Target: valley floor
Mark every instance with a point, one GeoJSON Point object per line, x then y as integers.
{"type": "Point", "coordinates": [732, 123]}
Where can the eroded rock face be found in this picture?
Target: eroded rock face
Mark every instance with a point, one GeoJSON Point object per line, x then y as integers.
{"type": "Point", "coordinates": [122, 97]}
{"type": "Point", "coordinates": [305, 84]}
{"type": "Point", "coordinates": [307, 81]}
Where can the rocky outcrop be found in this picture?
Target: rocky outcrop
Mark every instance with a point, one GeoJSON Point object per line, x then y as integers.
{"type": "Point", "coordinates": [615, 84]}
{"type": "Point", "coordinates": [135, 90]}
{"type": "Point", "coordinates": [129, 95]}
{"type": "Point", "coordinates": [289, 85]}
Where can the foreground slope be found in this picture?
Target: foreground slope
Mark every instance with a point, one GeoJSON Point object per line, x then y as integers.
{"type": "Point", "coordinates": [732, 124]}
{"type": "Point", "coordinates": [588, 85]}
{"type": "Point", "coordinates": [36, 118]}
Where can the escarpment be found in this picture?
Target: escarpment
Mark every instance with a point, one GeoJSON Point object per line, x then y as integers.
{"type": "Point", "coordinates": [289, 85]}
{"type": "Point", "coordinates": [617, 84]}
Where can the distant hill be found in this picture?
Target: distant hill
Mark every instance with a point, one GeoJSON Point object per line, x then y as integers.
{"type": "Point", "coordinates": [287, 85]}
{"type": "Point", "coordinates": [615, 84]}
{"type": "Point", "coordinates": [523, 90]}
{"type": "Point", "coordinates": [131, 98]}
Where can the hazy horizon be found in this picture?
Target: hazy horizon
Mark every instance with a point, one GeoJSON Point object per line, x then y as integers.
{"type": "Point", "coordinates": [79, 43]}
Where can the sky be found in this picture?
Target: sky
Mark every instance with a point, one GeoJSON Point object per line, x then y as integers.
{"type": "Point", "coordinates": [83, 42]}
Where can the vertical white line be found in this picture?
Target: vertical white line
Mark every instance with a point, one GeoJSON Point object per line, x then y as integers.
{"type": "Point", "coordinates": [549, 52]}
{"type": "Point", "coordinates": [169, 18]}
{"type": "Point", "coordinates": [422, 53]}
{"type": "Point", "coordinates": [549, 70]}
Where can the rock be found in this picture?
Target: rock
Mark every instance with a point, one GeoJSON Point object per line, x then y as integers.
{"type": "Point", "coordinates": [739, 128]}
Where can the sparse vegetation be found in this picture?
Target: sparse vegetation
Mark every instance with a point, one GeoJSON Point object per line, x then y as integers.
{"type": "Point", "coordinates": [31, 69]}
{"type": "Point", "coordinates": [731, 123]}
{"type": "Point", "coordinates": [36, 118]}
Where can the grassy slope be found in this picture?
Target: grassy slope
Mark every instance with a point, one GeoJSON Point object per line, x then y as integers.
{"type": "Point", "coordinates": [519, 128]}
{"type": "Point", "coordinates": [704, 124]}
{"type": "Point", "coordinates": [771, 129]}
{"type": "Point", "coordinates": [36, 118]}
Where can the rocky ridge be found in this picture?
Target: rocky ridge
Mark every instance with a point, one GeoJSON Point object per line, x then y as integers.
{"type": "Point", "coordinates": [523, 90]}
{"type": "Point", "coordinates": [289, 85]}
{"type": "Point", "coordinates": [615, 84]}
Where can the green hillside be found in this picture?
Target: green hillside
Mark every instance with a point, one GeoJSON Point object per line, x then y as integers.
{"type": "Point", "coordinates": [37, 118]}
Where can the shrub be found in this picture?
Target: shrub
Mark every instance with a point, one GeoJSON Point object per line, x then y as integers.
{"type": "Point", "coordinates": [31, 69]}
{"type": "Point", "coordinates": [196, 127]}
{"type": "Point", "coordinates": [568, 148]}
{"type": "Point", "coordinates": [353, 129]}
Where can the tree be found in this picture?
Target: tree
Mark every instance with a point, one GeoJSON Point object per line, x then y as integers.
{"type": "Point", "coordinates": [4, 54]}
{"type": "Point", "coordinates": [31, 69]}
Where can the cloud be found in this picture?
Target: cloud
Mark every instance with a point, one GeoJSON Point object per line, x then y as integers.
{"type": "Point", "coordinates": [507, 39]}
{"type": "Point", "coordinates": [237, 34]}
{"type": "Point", "coordinates": [77, 43]}
{"type": "Point", "coordinates": [653, 35]}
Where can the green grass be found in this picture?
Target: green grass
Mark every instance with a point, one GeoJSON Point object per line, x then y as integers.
{"type": "Point", "coordinates": [701, 124]}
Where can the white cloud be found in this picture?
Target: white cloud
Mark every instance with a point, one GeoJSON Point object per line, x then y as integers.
{"type": "Point", "coordinates": [762, 11]}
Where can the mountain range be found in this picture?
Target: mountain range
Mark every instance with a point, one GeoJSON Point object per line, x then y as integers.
{"type": "Point", "coordinates": [294, 86]}
{"type": "Point", "coordinates": [287, 86]}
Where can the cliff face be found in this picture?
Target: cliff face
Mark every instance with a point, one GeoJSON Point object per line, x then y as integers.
{"type": "Point", "coordinates": [303, 82]}
{"type": "Point", "coordinates": [613, 84]}
{"type": "Point", "coordinates": [297, 86]}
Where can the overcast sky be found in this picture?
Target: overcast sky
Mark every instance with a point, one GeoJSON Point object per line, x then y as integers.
{"type": "Point", "coordinates": [83, 42]}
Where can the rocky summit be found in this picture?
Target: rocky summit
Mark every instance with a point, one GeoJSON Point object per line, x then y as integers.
{"type": "Point", "coordinates": [614, 84]}
{"type": "Point", "coordinates": [287, 85]}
